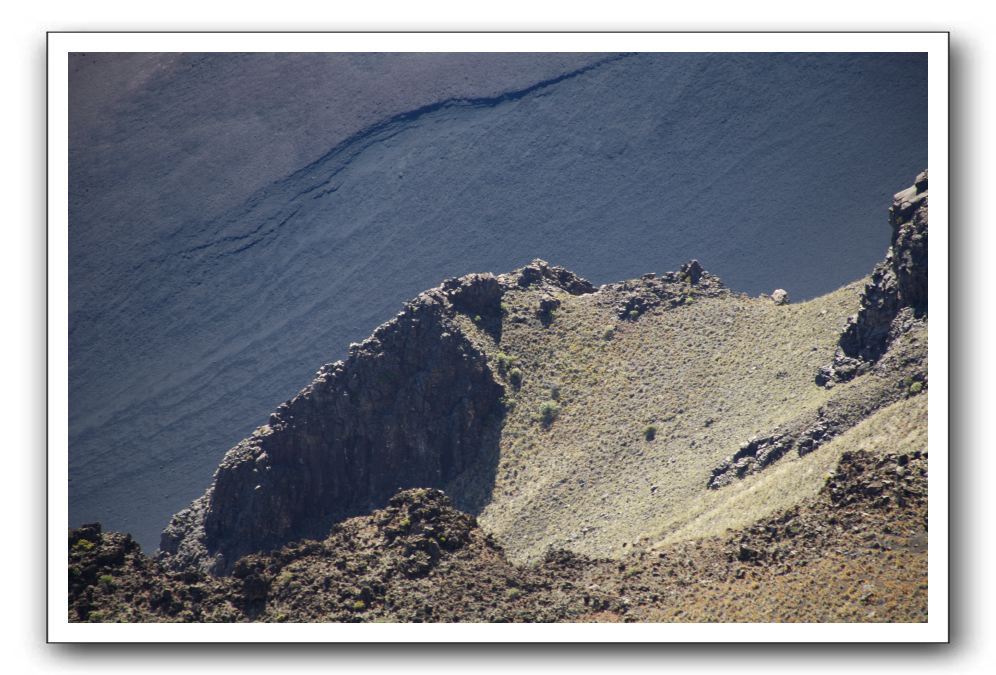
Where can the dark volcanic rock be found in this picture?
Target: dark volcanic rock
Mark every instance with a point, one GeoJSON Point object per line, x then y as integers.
{"type": "Point", "coordinates": [416, 404]}
{"type": "Point", "coordinates": [419, 559]}
{"type": "Point", "coordinates": [539, 271]}
{"type": "Point", "coordinates": [669, 290]}
{"type": "Point", "coordinates": [898, 283]}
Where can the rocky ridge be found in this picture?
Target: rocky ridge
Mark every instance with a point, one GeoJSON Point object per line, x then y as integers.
{"type": "Point", "coordinates": [417, 404]}
{"type": "Point", "coordinates": [885, 339]}
{"type": "Point", "coordinates": [895, 299]}
{"type": "Point", "coordinates": [516, 393]}
{"type": "Point", "coordinates": [418, 559]}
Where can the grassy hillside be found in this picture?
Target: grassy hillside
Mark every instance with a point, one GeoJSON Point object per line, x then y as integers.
{"type": "Point", "coordinates": [704, 376]}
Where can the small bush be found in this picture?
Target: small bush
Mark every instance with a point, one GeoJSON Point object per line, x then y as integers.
{"type": "Point", "coordinates": [549, 411]}
{"type": "Point", "coordinates": [477, 318]}
{"type": "Point", "coordinates": [650, 432]}
{"type": "Point", "coordinates": [916, 388]}
{"type": "Point", "coordinates": [359, 605]}
{"type": "Point", "coordinates": [555, 392]}
{"type": "Point", "coordinates": [515, 377]}
{"type": "Point", "coordinates": [106, 579]}
{"type": "Point", "coordinates": [609, 332]}
{"type": "Point", "coordinates": [406, 522]}
{"type": "Point", "coordinates": [84, 545]}
{"type": "Point", "coordinates": [505, 362]}
{"type": "Point", "coordinates": [513, 593]}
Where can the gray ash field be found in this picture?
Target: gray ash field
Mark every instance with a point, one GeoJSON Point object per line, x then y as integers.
{"type": "Point", "coordinates": [237, 220]}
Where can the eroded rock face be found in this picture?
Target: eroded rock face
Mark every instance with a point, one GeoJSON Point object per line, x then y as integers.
{"type": "Point", "coordinates": [896, 295]}
{"type": "Point", "coordinates": [414, 405]}
{"type": "Point", "coordinates": [885, 341]}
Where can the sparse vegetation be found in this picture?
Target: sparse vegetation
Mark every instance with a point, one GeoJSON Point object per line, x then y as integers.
{"type": "Point", "coordinates": [548, 412]}
{"type": "Point", "coordinates": [515, 377]}
{"type": "Point", "coordinates": [650, 432]}
{"type": "Point", "coordinates": [505, 362]}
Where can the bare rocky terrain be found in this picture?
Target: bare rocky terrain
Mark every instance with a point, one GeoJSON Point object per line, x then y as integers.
{"type": "Point", "coordinates": [530, 447]}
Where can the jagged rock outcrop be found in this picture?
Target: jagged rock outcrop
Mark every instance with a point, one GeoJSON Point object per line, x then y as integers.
{"type": "Point", "coordinates": [415, 405]}
{"type": "Point", "coordinates": [882, 340]}
{"type": "Point", "coordinates": [669, 290]}
{"type": "Point", "coordinates": [896, 296]}
{"type": "Point", "coordinates": [898, 375]}
{"type": "Point", "coordinates": [539, 271]}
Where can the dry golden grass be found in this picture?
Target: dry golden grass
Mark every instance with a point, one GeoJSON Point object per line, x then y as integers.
{"type": "Point", "coordinates": [900, 427]}
{"type": "Point", "coordinates": [708, 375]}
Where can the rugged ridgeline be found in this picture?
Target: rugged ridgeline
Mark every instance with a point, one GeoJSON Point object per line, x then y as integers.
{"type": "Point", "coordinates": [895, 299]}
{"type": "Point", "coordinates": [571, 417]}
{"type": "Point", "coordinates": [886, 339]}
{"type": "Point", "coordinates": [415, 405]}
{"type": "Point", "coordinates": [855, 552]}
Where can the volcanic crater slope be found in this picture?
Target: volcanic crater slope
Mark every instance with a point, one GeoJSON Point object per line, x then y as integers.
{"type": "Point", "coordinates": [568, 417]}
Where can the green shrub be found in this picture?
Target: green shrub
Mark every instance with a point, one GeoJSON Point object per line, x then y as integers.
{"type": "Point", "coordinates": [106, 579]}
{"type": "Point", "coordinates": [505, 362]}
{"type": "Point", "coordinates": [406, 522]}
{"type": "Point", "coordinates": [515, 377]}
{"type": "Point", "coordinates": [513, 593]}
{"type": "Point", "coordinates": [359, 605]}
{"type": "Point", "coordinates": [916, 388]}
{"type": "Point", "coordinates": [609, 332]}
{"type": "Point", "coordinates": [84, 545]}
{"type": "Point", "coordinates": [477, 318]}
{"type": "Point", "coordinates": [549, 411]}
{"type": "Point", "coordinates": [650, 432]}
